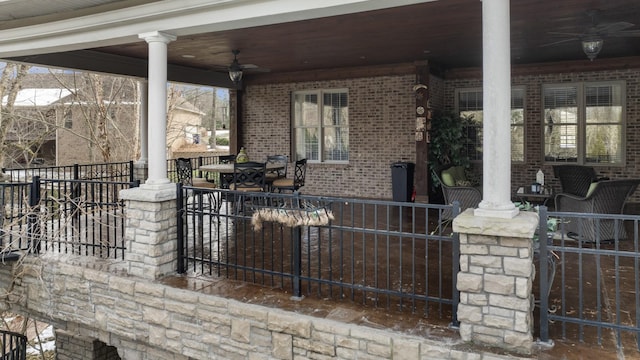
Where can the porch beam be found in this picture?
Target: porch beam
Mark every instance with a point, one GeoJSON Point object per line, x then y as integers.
{"type": "Point", "coordinates": [496, 122]}
{"type": "Point", "coordinates": [96, 61]}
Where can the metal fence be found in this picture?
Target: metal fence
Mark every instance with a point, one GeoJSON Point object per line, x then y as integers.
{"type": "Point", "coordinates": [589, 288]}
{"type": "Point", "coordinates": [399, 256]}
{"type": "Point", "coordinates": [116, 171]}
{"type": "Point", "coordinates": [14, 346]}
{"type": "Point", "coordinates": [196, 161]}
{"type": "Point", "coordinates": [83, 217]}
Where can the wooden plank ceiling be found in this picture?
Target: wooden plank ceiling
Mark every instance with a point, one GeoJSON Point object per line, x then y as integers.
{"type": "Point", "coordinates": [445, 32]}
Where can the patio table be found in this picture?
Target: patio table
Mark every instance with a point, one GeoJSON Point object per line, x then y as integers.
{"type": "Point", "coordinates": [228, 168]}
{"type": "Point", "coordinates": [226, 171]}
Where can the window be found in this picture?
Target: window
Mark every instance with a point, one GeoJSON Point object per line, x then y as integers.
{"type": "Point", "coordinates": [321, 125]}
{"type": "Point", "coordinates": [469, 105]}
{"type": "Point", "coordinates": [583, 123]}
{"type": "Point", "coordinates": [68, 119]}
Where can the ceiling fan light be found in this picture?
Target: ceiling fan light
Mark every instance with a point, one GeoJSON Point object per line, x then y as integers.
{"type": "Point", "coordinates": [235, 75]}
{"type": "Point", "coordinates": [592, 47]}
{"type": "Point", "coordinates": [235, 70]}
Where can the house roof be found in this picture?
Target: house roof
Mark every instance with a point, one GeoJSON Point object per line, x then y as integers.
{"type": "Point", "coordinates": [284, 36]}
{"type": "Point", "coordinates": [38, 97]}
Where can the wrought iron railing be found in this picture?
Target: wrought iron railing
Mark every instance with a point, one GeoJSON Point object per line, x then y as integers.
{"type": "Point", "coordinates": [590, 291]}
{"type": "Point", "coordinates": [83, 217]}
{"type": "Point", "coordinates": [196, 161]}
{"type": "Point", "coordinates": [14, 346]}
{"type": "Point", "coordinates": [115, 171]}
{"type": "Point", "coordinates": [399, 256]}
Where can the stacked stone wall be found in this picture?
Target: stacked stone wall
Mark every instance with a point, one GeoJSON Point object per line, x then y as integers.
{"type": "Point", "coordinates": [149, 320]}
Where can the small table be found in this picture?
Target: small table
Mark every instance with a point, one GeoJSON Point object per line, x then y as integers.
{"type": "Point", "coordinates": [539, 198]}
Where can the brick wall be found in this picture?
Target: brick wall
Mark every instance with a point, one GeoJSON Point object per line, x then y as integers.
{"type": "Point", "coordinates": [381, 131]}
{"type": "Point", "coordinates": [523, 174]}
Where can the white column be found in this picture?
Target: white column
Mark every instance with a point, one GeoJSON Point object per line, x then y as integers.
{"type": "Point", "coordinates": [157, 104]}
{"type": "Point", "coordinates": [496, 127]}
{"type": "Point", "coordinates": [143, 91]}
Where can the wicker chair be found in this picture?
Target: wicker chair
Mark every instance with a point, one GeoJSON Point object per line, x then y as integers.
{"type": "Point", "coordinates": [467, 196]}
{"type": "Point", "coordinates": [575, 179]}
{"type": "Point", "coordinates": [607, 197]}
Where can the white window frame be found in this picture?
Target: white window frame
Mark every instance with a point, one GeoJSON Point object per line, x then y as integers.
{"type": "Point", "coordinates": [581, 122]}
{"type": "Point", "coordinates": [320, 125]}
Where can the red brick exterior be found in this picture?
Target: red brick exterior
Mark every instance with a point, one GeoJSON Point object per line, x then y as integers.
{"type": "Point", "coordinates": [381, 131]}
{"type": "Point", "coordinates": [523, 174]}
{"type": "Point", "coordinates": [381, 128]}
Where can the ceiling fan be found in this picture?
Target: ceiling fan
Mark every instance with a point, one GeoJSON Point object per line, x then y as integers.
{"type": "Point", "coordinates": [236, 69]}
{"type": "Point", "coordinates": [592, 38]}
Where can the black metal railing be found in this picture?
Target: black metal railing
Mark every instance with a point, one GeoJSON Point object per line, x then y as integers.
{"type": "Point", "coordinates": [196, 161]}
{"type": "Point", "coordinates": [115, 171]}
{"type": "Point", "coordinates": [14, 346]}
{"type": "Point", "coordinates": [82, 217]}
{"type": "Point", "coordinates": [400, 256]}
{"type": "Point", "coordinates": [589, 288]}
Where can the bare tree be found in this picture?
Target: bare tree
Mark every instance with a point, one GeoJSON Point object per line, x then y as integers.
{"type": "Point", "coordinates": [10, 80]}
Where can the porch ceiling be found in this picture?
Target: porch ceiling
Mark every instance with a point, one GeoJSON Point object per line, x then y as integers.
{"type": "Point", "coordinates": [446, 32]}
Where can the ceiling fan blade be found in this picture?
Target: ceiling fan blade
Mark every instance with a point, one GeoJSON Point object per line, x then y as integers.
{"type": "Point", "coordinates": [248, 66]}
{"type": "Point", "coordinates": [628, 33]}
{"type": "Point", "coordinates": [607, 29]}
{"type": "Point", "coordinates": [565, 34]}
{"type": "Point", "coordinates": [560, 42]}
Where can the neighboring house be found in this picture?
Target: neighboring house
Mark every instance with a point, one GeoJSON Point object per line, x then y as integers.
{"type": "Point", "coordinates": [184, 127]}
{"type": "Point", "coordinates": [63, 126]}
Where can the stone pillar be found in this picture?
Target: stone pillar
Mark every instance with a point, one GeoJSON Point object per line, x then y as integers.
{"type": "Point", "coordinates": [495, 280]}
{"type": "Point", "coordinates": [496, 109]}
{"type": "Point", "coordinates": [157, 105]}
{"type": "Point", "coordinates": [71, 346]}
{"type": "Point", "coordinates": [151, 232]}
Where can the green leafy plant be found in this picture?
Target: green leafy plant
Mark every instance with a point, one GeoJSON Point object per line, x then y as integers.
{"type": "Point", "coordinates": [448, 139]}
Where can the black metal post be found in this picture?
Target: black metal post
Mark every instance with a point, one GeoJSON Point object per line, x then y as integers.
{"type": "Point", "coordinates": [180, 223]}
{"type": "Point", "coordinates": [131, 171]}
{"type": "Point", "coordinates": [544, 270]}
{"type": "Point", "coordinates": [296, 237]}
{"type": "Point", "coordinates": [33, 223]}
{"type": "Point", "coordinates": [455, 267]}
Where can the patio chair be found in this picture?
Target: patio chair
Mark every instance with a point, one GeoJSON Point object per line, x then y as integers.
{"type": "Point", "coordinates": [184, 171]}
{"type": "Point", "coordinates": [605, 197]}
{"type": "Point", "coordinates": [274, 175]}
{"type": "Point", "coordinates": [226, 179]}
{"type": "Point", "coordinates": [467, 195]}
{"type": "Point", "coordinates": [575, 179]}
{"type": "Point", "coordinates": [247, 177]}
{"type": "Point", "coordinates": [295, 183]}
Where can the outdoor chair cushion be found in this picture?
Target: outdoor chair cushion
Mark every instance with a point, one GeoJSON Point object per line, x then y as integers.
{"type": "Point", "coordinates": [461, 190]}
{"type": "Point", "coordinates": [455, 176]}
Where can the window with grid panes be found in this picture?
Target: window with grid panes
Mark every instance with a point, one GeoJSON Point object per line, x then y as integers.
{"type": "Point", "coordinates": [583, 123]}
{"type": "Point", "coordinates": [321, 125]}
{"type": "Point", "coordinates": [469, 105]}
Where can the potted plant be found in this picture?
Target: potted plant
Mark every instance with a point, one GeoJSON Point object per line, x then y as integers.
{"type": "Point", "coordinates": [447, 146]}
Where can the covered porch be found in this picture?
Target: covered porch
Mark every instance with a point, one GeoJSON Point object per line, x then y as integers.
{"type": "Point", "coordinates": [385, 54]}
